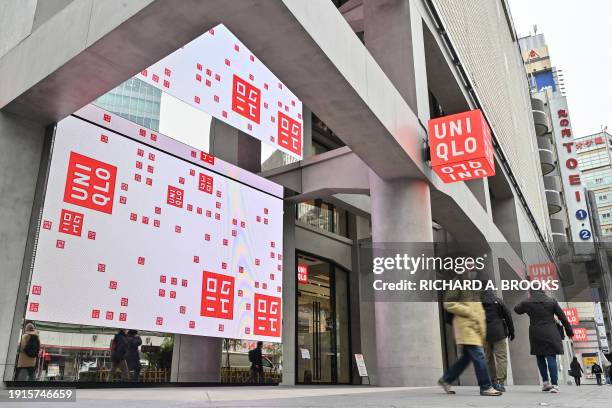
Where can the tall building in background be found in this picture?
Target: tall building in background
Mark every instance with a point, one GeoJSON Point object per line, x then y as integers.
{"type": "Point", "coordinates": [134, 100]}
{"type": "Point", "coordinates": [595, 164]}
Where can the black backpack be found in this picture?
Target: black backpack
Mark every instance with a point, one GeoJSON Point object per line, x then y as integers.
{"type": "Point", "coordinates": [32, 347]}
{"type": "Point", "coordinates": [252, 356]}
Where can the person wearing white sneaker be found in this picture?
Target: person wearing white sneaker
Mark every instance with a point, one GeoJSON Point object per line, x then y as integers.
{"type": "Point", "coordinates": [545, 334]}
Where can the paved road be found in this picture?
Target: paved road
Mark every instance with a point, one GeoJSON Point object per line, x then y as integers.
{"type": "Point", "coordinates": [589, 396]}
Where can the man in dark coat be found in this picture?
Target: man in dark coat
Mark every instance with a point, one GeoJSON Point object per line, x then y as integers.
{"type": "Point", "coordinates": [499, 327]}
{"type": "Point", "coordinates": [544, 334]}
{"type": "Point", "coordinates": [118, 350]}
{"type": "Point", "coordinates": [132, 355]}
{"type": "Point", "coordinates": [596, 369]}
{"type": "Point", "coordinates": [256, 359]}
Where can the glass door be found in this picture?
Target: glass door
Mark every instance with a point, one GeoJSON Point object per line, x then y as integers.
{"type": "Point", "coordinates": [322, 349]}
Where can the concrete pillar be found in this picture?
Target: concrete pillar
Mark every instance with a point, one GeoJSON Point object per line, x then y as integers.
{"type": "Point", "coordinates": [198, 358]}
{"type": "Point", "coordinates": [289, 295]}
{"type": "Point", "coordinates": [307, 132]}
{"type": "Point", "coordinates": [408, 341]}
{"type": "Point", "coordinates": [234, 146]}
{"type": "Point", "coordinates": [21, 145]}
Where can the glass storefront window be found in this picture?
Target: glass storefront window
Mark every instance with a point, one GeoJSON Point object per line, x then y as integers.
{"type": "Point", "coordinates": [326, 216]}
{"type": "Point", "coordinates": [323, 351]}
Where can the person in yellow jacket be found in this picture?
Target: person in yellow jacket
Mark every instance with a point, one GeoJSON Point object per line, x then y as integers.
{"type": "Point", "coordinates": [469, 328]}
{"type": "Point", "coordinates": [29, 347]}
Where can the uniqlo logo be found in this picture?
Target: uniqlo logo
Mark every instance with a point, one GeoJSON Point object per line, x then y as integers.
{"type": "Point", "coordinates": [161, 292]}
{"type": "Point", "coordinates": [167, 72]}
{"type": "Point", "coordinates": [196, 259]}
{"type": "Point", "coordinates": [153, 137]}
{"type": "Point", "coordinates": [199, 210]}
{"type": "Point", "coordinates": [241, 269]}
{"type": "Point", "coordinates": [122, 317]}
{"type": "Point", "coordinates": [234, 221]}
{"type": "Point", "coordinates": [265, 221]}
{"type": "Point", "coordinates": [95, 314]}
{"type": "Point", "coordinates": [47, 224]}
{"type": "Point", "coordinates": [247, 330]}
{"type": "Point", "coordinates": [60, 243]}
{"type": "Point", "coordinates": [184, 283]}
{"type": "Point", "coordinates": [112, 285]}
{"type": "Point", "coordinates": [182, 310]}
{"type": "Point", "coordinates": [225, 242]}
{"type": "Point", "coordinates": [36, 289]}
{"type": "Point", "coordinates": [101, 267]}
{"type": "Point", "coordinates": [139, 165]}
{"type": "Point", "coordinates": [173, 281]}
{"type": "Point", "coordinates": [124, 301]}
{"type": "Point", "coordinates": [150, 169]}
{"type": "Point", "coordinates": [124, 186]}
{"type": "Point", "coordinates": [33, 307]}
{"type": "Point", "coordinates": [242, 224]}
{"type": "Point", "coordinates": [140, 152]}
{"type": "Point", "coordinates": [289, 133]}
{"type": "Point", "coordinates": [207, 237]}
{"type": "Point", "coordinates": [141, 260]}
{"type": "Point", "coordinates": [172, 294]}
{"type": "Point", "coordinates": [224, 265]}
{"type": "Point", "coordinates": [177, 229]}
{"type": "Point", "coordinates": [106, 117]}
{"type": "Point", "coordinates": [149, 181]}
{"type": "Point", "coordinates": [217, 295]}
{"type": "Point", "coordinates": [217, 216]}
{"type": "Point", "coordinates": [257, 261]}
{"type": "Point", "coordinates": [159, 321]}
{"type": "Point", "coordinates": [189, 207]}
{"type": "Point", "coordinates": [91, 235]}
{"type": "Point", "coordinates": [234, 233]}
{"type": "Point", "coordinates": [208, 213]}
{"type": "Point", "coordinates": [133, 216]}
{"type": "Point", "coordinates": [123, 200]}
{"type": "Point", "coordinates": [221, 327]}
{"type": "Point", "coordinates": [145, 220]}
{"type": "Point", "coordinates": [175, 196]}
{"type": "Point", "coordinates": [90, 183]}
{"type": "Point", "coordinates": [71, 223]}
{"type": "Point", "coordinates": [246, 99]}
{"type": "Point", "coordinates": [109, 315]}
{"type": "Point", "coordinates": [248, 306]}
{"type": "Point", "coordinates": [104, 138]}
{"type": "Point", "coordinates": [142, 132]}
{"type": "Point", "coordinates": [191, 324]}
{"type": "Point", "coordinates": [205, 183]}
{"type": "Point", "coordinates": [152, 156]}
{"type": "Point", "coordinates": [240, 293]}
{"type": "Point", "coordinates": [218, 193]}
{"type": "Point", "coordinates": [155, 78]}
{"type": "Point", "coordinates": [267, 315]}
{"type": "Point", "coordinates": [137, 177]}
{"type": "Point", "coordinates": [162, 278]}
{"type": "Point", "coordinates": [208, 158]}
{"type": "Point", "coordinates": [156, 223]}
{"type": "Point", "coordinates": [181, 180]}
{"type": "Point", "coordinates": [157, 210]}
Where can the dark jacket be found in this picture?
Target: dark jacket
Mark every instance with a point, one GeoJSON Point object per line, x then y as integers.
{"type": "Point", "coordinates": [544, 336]}
{"type": "Point", "coordinates": [132, 356]}
{"type": "Point", "coordinates": [256, 358]}
{"type": "Point", "coordinates": [118, 347]}
{"type": "Point", "coordinates": [576, 369]}
{"type": "Point", "coordinates": [499, 320]}
{"type": "Point", "coordinates": [596, 369]}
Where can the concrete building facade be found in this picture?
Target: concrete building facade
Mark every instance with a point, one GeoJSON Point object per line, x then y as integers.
{"type": "Point", "coordinates": [370, 75]}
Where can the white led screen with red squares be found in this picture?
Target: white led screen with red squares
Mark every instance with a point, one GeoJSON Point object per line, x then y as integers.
{"type": "Point", "coordinates": [217, 74]}
{"type": "Point", "coordinates": [197, 249]}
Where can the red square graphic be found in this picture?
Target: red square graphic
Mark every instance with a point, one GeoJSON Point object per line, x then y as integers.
{"type": "Point", "coordinates": [124, 301]}
{"type": "Point", "coordinates": [246, 99]}
{"type": "Point", "coordinates": [217, 295]}
{"type": "Point", "coordinates": [36, 289]}
{"type": "Point", "coordinates": [149, 181]}
{"type": "Point", "coordinates": [205, 183]}
{"type": "Point", "coordinates": [289, 133]}
{"type": "Point", "coordinates": [91, 235]}
{"type": "Point", "coordinates": [175, 196]}
{"type": "Point", "coordinates": [101, 267]}
{"type": "Point", "coordinates": [122, 317]}
{"type": "Point", "coordinates": [141, 260]}
{"type": "Point", "coordinates": [71, 223]}
{"type": "Point", "coordinates": [172, 294]}
{"type": "Point", "coordinates": [207, 157]}
{"type": "Point", "coordinates": [60, 243]}
{"type": "Point", "coordinates": [124, 186]}
{"type": "Point", "coordinates": [267, 315]}
{"type": "Point", "coordinates": [47, 224]}
{"type": "Point", "coordinates": [104, 138]}
{"type": "Point", "coordinates": [196, 259]}
{"type": "Point", "coordinates": [109, 315]}
{"type": "Point", "coordinates": [33, 307]}
{"type": "Point", "coordinates": [173, 281]}
{"type": "Point", "coordinates": [184, 283]}
{"type": "Point", "coordinates": [191, 324]}
{"type": "Point", "coordinates": [162, 278]}
{"type": "Point", "coordinates": [112, 285]}
{"type": "Point", "coordinates": [182, 309]}
{"type": "Point", "coordinates": [90, 183]}
{"type": "Point", "coordinates": [162, 292]}
{"type": "Point", "coordinates": [95, 314]}
{"type": "Point", "coordinates": [159, 321]}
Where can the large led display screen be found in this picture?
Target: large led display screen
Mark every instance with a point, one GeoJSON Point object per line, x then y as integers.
{"type": "Point", "coordinates": [140, 231]}
{"type": "Point", "coordinates": [218, 74]}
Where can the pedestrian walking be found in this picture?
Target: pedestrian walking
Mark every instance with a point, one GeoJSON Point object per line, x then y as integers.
{"type": "Point", "coordinates": [576, 371]}
{"type": "Point", "coordinates": [132, 355]}
{"type": "Point", "coordinates": [469, 328]}
{"type": "Point", "coordinates": [256, 359]}
{"type": "Point", "coordinates": [118, 351]}
{"type": "Point", "coordinates": [29, 347]}
{"type": "Point", "coordinates": [596, 369]}
{"type": "Point", "coordinates": [499, 327]}
{"type": "Point", "coordinates": [545, 335]}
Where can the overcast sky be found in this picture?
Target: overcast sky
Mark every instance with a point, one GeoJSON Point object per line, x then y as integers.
{"type": "Point", "coordinates": [579, 38]}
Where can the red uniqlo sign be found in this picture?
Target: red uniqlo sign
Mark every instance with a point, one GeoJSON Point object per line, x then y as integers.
{"type": "Point", "coordinates": [90, 183]}
{"type": "Point", "coordinates": [543, 272]}
{"type": "Point", "coordinates": [246, 99]}
{"type": "Point", "coordinates": [302, 273]}
{"type": "Point", "coordinates": [461, 147]}
{"type": "Point", "coordinates": [289, 133]}
{"type": "Point", "coordinates": [217, 295]}
{"type": "Point", "coordinates": [267, 315]}
{"type": "Point", "coordinates": [580, 334]}
{"type": "Point", "coordinates": [71, 223]}
{"type": "Point", "coordinates": [572, 316]}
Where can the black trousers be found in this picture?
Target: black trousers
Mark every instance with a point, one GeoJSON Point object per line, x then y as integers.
{"type": "Point", "coordinates": [598, 376]}
{"type": "Point", "coordinates": [577, 380]}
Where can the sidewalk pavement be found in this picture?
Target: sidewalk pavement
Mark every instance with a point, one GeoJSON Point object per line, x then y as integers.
{"type": "Point", "coordinates": [588, 396]}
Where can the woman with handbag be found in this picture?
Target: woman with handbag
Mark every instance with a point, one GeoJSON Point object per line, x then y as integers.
{"type": "Point", "coordinates": [576, 371]}
{"type": "Point", "coordinates": [544, 335]}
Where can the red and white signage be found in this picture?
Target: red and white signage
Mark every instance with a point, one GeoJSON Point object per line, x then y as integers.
{"type": "Point", "coordinates": [543, 272]}
{"type": "Point", "coordinates": [302, 273]}
{"type": "Point", "coordinates": [143, 232]}
{"type": "Point", "coordinates": [572, 316]}
{"type": "Point", "coordinates": [217, 74]}
{"type": "Point", "coordinates": [570, 174]}
{"type": "Point", "coordinates": [580, 334]}
{"type": "Point", "coordinates": [461, 147]}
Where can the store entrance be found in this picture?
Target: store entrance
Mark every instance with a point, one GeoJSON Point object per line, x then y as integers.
{"type": "Point", "coordinates": [322, 353]}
